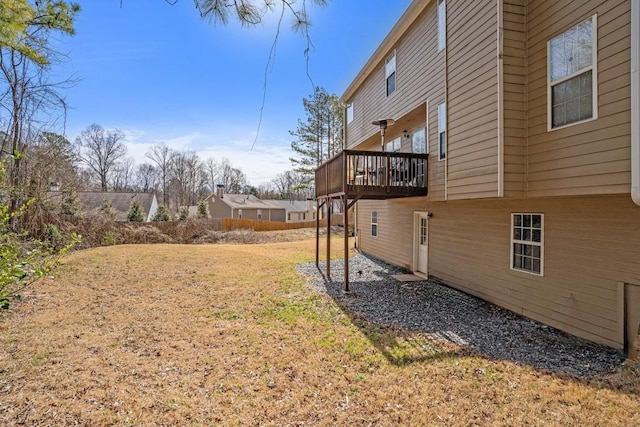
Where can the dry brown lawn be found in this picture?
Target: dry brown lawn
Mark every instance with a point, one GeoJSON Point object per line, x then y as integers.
{"type": "Point", "coordinates": [161, 334]}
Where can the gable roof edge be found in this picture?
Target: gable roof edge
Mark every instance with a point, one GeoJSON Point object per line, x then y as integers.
{"type": "Point", "coordinates": [406, 20]}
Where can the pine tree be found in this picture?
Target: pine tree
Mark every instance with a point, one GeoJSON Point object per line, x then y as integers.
{"type": "Point", "coordinates": [183, 213]}
{"type": "Point", "coordinates": [203, 209]}
{"type": "Point", "coordinates": [135, 212]}
{"type": "Point", "coordinates": [70, 203]}
{"type": "Point", "coordinates": [320, 135]}
{"type": "Point", "coordinates": [161, 214]}
{"type": "Point", "coordinates": [106, 211]}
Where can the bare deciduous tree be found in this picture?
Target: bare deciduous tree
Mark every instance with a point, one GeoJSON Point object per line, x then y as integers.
{"type": "Point", "coordinates": [162, 156]}
{"type": "Point", "coordinates": [27, 96]}
{"type": "Point", "coordinates": [146, 177]}
{"type": "Point", "coordinates": [291, 185]}
{"type": "Point", "coordinates": [211, 171]}
{"type": "Point", "coordinates": [51, 160]}
{"type": "Point", "coordinates": [122, 177]}
{"type": "Point", "coordinates": [233, 179]}
{"type": "Point", "coordinates": [101, 150]}
{"type": "Point", "coordinates": [186, 177]}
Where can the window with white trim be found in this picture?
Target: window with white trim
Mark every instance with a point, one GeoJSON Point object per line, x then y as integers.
{"type": "Point", "coordinates": [527, 242]}
{"type": "Point", "coordinates": [419, 141]}
{"type": "Point", "coordinates": [572, 74]}
{"type": "Point", "coordinates": [240, 213]}
{"type": "Point", "coordinates": [349, 112]}
{"type": "Point", "coordinates": [390, 73]}
{"type": "Point", "coordinates": [442, 25]}
{"type": "Point", "coordinates": [259, 213]}
{"type": "Point", "coordinates": [374, 223]}
{"type": "Point", "coordinates": [442, 131]}
{"type": "Point", "coordinates": [394, 145]}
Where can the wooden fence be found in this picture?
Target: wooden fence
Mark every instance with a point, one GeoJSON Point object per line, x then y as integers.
{"type": "Point", "coordinates": [263, 225]}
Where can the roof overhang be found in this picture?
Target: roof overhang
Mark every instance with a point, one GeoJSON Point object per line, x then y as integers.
{"type": "Point", "coordinates": [406, 20]}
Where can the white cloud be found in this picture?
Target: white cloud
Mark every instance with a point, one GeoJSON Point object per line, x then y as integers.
{"type": "Point", "coordinates": [260, 164]}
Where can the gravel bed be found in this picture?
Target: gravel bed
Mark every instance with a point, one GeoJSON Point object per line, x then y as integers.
{"type": "Point", "coordinates": [447, 314]}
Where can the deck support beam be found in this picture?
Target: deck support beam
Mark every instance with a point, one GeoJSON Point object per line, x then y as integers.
{"type": "Point", "coordinates": [345, 216]}
{"type": "Point", "coordinates": [329, 203]}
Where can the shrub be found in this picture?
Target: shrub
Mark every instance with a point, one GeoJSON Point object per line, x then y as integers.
{"type": "Point", "coordinates": [183, 213]}
{"type": "Point", "coordinates": [23, 260]}
{"type": "Point", "coordinates": [161, 214]}
{"type": "Point", "coordinates": [53, 236]}
{"type": "Point", "coordinates": [203, 209]}
{"type": "Point", "coordinates": [109, 238]}
{"type": "Point", "coordinates": [106, 211]}
{"type": "Point", "coordinates": [70, 204]}
{"type": "Point", "coordinates": [135, 212]}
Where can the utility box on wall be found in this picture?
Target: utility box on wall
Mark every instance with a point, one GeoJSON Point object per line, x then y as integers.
{"type": "Point", "coordinates": [632, 320]}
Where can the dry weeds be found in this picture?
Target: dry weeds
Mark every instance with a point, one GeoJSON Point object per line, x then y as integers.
{"type": "Point", "coordinates": [228, 335]}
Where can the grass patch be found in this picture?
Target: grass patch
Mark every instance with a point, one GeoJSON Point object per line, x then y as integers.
{"type": "Point", "coordinates": [229, 335]}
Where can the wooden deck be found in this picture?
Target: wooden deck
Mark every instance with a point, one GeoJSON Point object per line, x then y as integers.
{"type": "Point", "coordinates": [372, 175]}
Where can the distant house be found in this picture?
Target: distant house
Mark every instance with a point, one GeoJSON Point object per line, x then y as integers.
{"type": "Point", "coordinates": [90, 202]}
{"type": "Point", "coordinates": [297, 210]}
{"type": "Point", "coordinates": [248, 206]}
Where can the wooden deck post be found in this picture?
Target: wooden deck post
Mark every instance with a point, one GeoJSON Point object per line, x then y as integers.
{"type": "Point", "coordinates": [318, 206]}
{"type": "Point", "coordinates": [329, 203]}
{"type": "Point", "coordinates": [346, 241]}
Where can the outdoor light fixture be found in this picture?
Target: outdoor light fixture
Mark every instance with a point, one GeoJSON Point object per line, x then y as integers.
{"type": "Point", "coordinates": [383, 125]}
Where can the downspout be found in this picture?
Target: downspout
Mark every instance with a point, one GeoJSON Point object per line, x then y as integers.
{"type": "Point", "coordinates": [500, 95]}
{"type": "Point", "coordinates": [635, 101]}
{"type": "Point", "coordinates": [446, 108]}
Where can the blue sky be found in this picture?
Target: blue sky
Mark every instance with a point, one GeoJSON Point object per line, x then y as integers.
{"type": "Point", "coordinates": [162, 74]}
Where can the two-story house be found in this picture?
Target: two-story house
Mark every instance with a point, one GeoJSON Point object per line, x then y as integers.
{"type": "Point", "coordinates": [494, 145]}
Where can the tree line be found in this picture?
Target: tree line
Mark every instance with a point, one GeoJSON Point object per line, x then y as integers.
{"type": "Point", "coordinates": [34, 154]}
{"type": "Point", "coordinates": [33, 107]}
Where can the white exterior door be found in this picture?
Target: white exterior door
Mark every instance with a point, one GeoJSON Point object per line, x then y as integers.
{"type": "Point", "coordinates": [421, 243]}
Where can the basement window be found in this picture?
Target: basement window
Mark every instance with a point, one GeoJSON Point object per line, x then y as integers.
{"type": "Point", "coordinates": [374, 224]}
{"type": "Point", "coordinates": [527, 242]}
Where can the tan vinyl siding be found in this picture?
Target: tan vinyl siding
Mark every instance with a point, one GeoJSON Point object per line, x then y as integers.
{"type": "Point", "coordinates": [514, 94]}
{"type": "Point", "coordinates": [472, 96]}
{"type": "Point", "coordinates": [395, 229]}
{"type": "Point", "coordinates": [591, 157]}
{"type": "Point", "coordinates": [436, 169]}
{"type": "Point", "coordinates": [219, 209]}
{"type": "Point", "coordinates": [590, 246]}
{"type": "Point", "coordinates": [419, 73]}
{"type": "Point", "coordinates": [419, 77]}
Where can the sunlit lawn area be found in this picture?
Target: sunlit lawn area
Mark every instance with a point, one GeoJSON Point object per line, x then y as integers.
{"type": "Point", "coordinates": [230, 335]}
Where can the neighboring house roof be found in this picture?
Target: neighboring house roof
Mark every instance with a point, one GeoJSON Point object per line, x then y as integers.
{"type": "Point", "coordinates": [293, 205]}
{"type": "Point", "coordinates": [91, 202]}
{"type": "Point", "coordinates": [247, 201]}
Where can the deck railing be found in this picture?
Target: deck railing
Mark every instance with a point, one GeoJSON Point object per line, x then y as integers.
{"type": "Point", "coordinates": [371, 174]}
